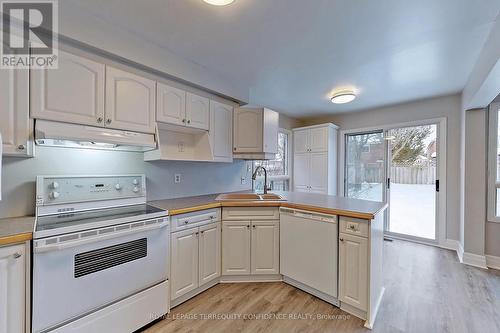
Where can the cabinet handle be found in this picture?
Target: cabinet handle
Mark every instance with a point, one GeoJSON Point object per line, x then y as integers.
{"type": "Point", "coordinates": [248, 226]}
{"type": "Point", "coordinates": [234, 148]}
{"type": "Point", "coordinates": [99, 120]}
{"type": "Point", "coordinates": [253, 226]}
{"type": "Point", "coordinates": [203, 232]}
{"type": "Point", "coordinates": [212, 217]}
{"type": "Point", "coordinates": [186, 222]}
{"type": "Point", "coordinates": [341, 239]}
{"type": "Point", "coordinates": [21, 147]}
{"type": "Point", "coordinates": [108, 121]}
{"type": "Point", "coordinates": [17, 255]}
{"type": "Point", "coordinates": [197, 233]}
{"type": "Point", "coordinates": [189, 121]}
{"type": "Point", "coordinates": [183, 120]}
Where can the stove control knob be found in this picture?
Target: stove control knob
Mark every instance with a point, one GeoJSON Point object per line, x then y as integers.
{"type": "Point", "coordinates": [54, 195]}
{"type": "Point", "coordinates": [135, 189]}
{"type": "Point", "coordinates": [54, 185]}
{"type": "Point", "coordinates": [135, 182]}
{"type": "Point", "coordinates": [118, 187]}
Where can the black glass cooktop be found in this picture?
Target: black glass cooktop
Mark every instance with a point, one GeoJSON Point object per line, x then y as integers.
{"type": "Point", "coordinates": [92, 216]}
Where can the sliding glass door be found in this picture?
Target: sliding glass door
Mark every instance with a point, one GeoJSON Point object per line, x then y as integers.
{"type": "Point", "coordinates": [412, 183]}
{"type": "Point", "coordinates": [365, 166]}
{"type": "Point", "coordinates": [400, 166]}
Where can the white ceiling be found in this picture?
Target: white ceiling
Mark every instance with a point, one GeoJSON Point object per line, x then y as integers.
{"type": "Point", "coordinates": [292, 53]}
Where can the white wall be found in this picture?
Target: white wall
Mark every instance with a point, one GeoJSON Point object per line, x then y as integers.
{"type": "Point", "coordinates": [18, 175]}
{"type": "Point", "coordinates": [447, 106]}
{"type": "Point", "coordinates": [475, 181]}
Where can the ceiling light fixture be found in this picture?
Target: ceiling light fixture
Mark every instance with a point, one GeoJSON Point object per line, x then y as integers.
{"type": "Point", "coordinates": [342, 97]}
{"type": "Point", "coordinates": [219, 2]}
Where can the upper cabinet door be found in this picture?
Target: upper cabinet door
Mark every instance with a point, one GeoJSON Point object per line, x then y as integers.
{"type": "Point", "coordinates": [301, 141]}
{"type": "Point", "coordinates": [171, 104]}
{"type": "Point", "coordinates": [248, 130]}
{"type": "Point", "coordinates": [14, 112]}
{"type": "Point", "coordinates": [73, 93]}
{"type": "Point", "coordinates": [221, 131]}
{"type": "Point", "coordinates": [130, 101]}
{"type": "Point", "coordinates": [318, 139]}
{"type": "Point", "coordinates": [197, 111]}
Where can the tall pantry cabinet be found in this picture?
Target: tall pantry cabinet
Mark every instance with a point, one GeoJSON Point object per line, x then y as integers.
{"type": "Point", "coordinates": [314, 159]}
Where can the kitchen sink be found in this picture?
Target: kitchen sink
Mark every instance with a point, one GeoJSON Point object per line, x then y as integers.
{"type": "Point", "coordinates": [249, 197]}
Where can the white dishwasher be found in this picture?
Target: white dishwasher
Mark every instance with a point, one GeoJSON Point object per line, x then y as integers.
{"type": "Point", "coordinates": [309, 252]}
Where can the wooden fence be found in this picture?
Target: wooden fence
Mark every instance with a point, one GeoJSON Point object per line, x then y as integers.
{"type": "Point", "coordinates": [413, 174]}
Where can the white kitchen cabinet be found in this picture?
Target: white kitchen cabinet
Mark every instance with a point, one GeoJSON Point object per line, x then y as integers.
{"type": "Point", "coordinates": [250, 242]}
{"type": "Point", "coordinates": [315, 164]}
{"type": "Point", "coordinates": [209, 253]}
{"type": "Point", "coordinates": [130, 101]}
{"type": "Point", "coordinates": [197, 111]}
{"type": "Point", "coordinates": [318, 139]}
{"type": "Point", "coordinates": [221, 131]}
{"type": "Point", "coordinates": [12, 289]}
{"type": "Point", "coordinates": [301, 141]}
{"type": "Point", "coordinates": [255, 133]}
{"type": "Point", "coordinates": [353, 267]}
{"type": "Point", "coordinates": [184, 267]}
{"type": "Point", "coordinates": [265, 247]}
{"type": "Point", "coordinates": [14, 112]}
{"type": "Point", "coordinates": [236, 248]}
{"type": "Point", "coordinates": [195, 253]}
{"type": "Point", "coordinates": [318, 177]}
{"type": "Point", "coordinates": [73, 93]}
{"type": "Point", "coordinates": [171, 104]}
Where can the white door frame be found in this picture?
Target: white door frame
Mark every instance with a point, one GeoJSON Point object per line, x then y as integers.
{"type": "Point", "coordinates": [441, 172]}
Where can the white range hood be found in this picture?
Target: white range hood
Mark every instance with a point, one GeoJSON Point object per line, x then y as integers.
{"type": "Point", "coordinates": [51, 133]}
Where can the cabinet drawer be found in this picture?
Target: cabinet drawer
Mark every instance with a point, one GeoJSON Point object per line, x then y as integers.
{"type": "Point", "coordinates": [250, 213]}
{"type": "Point", "coordinates": [195, 219]}
{"type": "Point", "coordinates": [354, 226]}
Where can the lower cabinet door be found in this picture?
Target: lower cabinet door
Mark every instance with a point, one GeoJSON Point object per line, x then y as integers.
{"type": "Point", "coordinates": [184, 262]}
{"type": "Point", "coordinates": [265, 247]}
{"type": "Point", "coordinates": [353, 270]}
{"type": "Point", "coordinates": [12, 289]}
{"type": "Point", "coordinates": [236, 247]}
{"type": "Point", "coordinates": [210, 255]}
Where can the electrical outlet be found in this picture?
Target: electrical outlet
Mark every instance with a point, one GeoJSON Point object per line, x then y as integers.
{"type": "Point", "coordinates": [177, 178]}
{"type": "Point", "coordinates": [243, 180]}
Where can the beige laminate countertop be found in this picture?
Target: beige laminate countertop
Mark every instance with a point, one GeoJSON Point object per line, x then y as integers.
{"type": "Point", "coordinates": [16, 229]}
{"type": "Point", "coordinates": [320, 203]}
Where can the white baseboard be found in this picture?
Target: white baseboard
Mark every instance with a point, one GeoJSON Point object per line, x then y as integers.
{"type": "Point", "coordinates": [475, 260]}
{"type": "Point", "coordinates": [450, 244]}
{"type": "Point", "coordinates": [493, 262]}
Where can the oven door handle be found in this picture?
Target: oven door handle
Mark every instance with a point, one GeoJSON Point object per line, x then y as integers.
{"type": "Point", "coordinates": [92, 239]}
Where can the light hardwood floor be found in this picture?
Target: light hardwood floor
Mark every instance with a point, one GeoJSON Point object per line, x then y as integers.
{"type": "Point", "coordinates": [427, 290]}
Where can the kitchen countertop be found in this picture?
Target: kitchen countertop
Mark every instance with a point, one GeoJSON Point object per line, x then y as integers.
{"type": "Point", "coordinates": [320, 203]}
{"type": "Point", "coordinates": [16, 229]}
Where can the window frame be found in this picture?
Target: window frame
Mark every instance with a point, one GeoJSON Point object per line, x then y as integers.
{"type": "Point", "coordinates": [493, 183]}
{"type": "Point", "coordinates": [288, 177]}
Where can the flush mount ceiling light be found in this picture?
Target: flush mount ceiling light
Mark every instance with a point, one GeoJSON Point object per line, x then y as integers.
{"type": "Point", "coordinates": [219, 2]}
{"type": "Point", "coordinates": [342, 97]}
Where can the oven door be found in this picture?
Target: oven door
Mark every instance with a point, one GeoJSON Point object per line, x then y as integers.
{"type": "Point", "coordinates": [76, 274]}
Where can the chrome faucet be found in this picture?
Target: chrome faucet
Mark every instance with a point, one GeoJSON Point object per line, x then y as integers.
{"type": "Point", "coordinates": [254, 176]}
